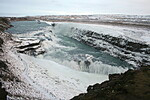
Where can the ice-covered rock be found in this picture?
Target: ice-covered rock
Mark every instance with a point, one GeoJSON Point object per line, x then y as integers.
{"type": "Point", "coordinates": [30, 46]}
{"type": "Point", "coordinates": [123, 47]}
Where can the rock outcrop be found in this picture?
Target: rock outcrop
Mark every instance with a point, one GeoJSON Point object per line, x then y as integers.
{"type": "Point", "coordinates": [4, 24]}
{"type": "Point", "coordinates": [125, 48]}
{"type": "Point", "coordinates": [132, 85]}
{"type": "Point", "coordinates": [30, 46]}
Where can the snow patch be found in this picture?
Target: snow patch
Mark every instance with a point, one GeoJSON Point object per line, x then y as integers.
{"type": "Point", "coordinates": [61, 81]}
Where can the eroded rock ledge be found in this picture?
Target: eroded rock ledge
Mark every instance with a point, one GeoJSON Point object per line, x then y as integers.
{"type": "Point", "coordinates": [29, 46]}
{"type": "Point", "coordinates": [132, 85]}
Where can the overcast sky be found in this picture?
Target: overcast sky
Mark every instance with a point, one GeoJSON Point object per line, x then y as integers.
{"type": "Point", "coordinates": [63, 7]}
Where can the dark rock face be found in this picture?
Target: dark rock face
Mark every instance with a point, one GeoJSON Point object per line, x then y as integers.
{"type": "Point", "coordinates": [5, 75]}
{"type": "Point", "coordinates": [1, 42]}
{"type": "Point", "coordinates": [4, 24]}
{"type": "Point", "coordinates": [3, 65]}
{"type": "Point", "coordinates": [3, 93]}
{"type": "Point", "coordinates": [132, 85]}
{"type": "Point", "coordinates": [122, 47]}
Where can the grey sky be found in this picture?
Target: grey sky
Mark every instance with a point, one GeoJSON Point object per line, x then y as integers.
{"type": "Point", "coordinates": [63, 7]}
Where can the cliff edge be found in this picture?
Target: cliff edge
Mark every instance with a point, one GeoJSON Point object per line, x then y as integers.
{"type": "Point", "coordinates": [132, 85]}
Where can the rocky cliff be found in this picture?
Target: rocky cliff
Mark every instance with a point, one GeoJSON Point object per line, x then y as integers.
{"type": "Point", "coordinates": [4, 24]}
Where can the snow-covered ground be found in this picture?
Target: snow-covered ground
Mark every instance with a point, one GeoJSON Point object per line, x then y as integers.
{"type": "Point", "coordinates": [61, 81]}
{"type": "Point", "coordinates": [140, 34]}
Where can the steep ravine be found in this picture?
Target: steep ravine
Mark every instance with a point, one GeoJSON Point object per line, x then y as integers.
{"type": "Point", "coordinates": [132, 85]}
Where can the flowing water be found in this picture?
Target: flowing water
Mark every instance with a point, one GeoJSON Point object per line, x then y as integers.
{"type": "Point", "coordinates": [63, 49]}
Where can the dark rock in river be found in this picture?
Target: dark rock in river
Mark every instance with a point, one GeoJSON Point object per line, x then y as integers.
{"type": "Point", "coordinates": [132, 85]}
{"type": "Point", "coordinates": [53, 24]}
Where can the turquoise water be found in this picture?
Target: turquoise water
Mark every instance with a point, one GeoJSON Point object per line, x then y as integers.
{"type": "Point", "coordinates": [25, 27]}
